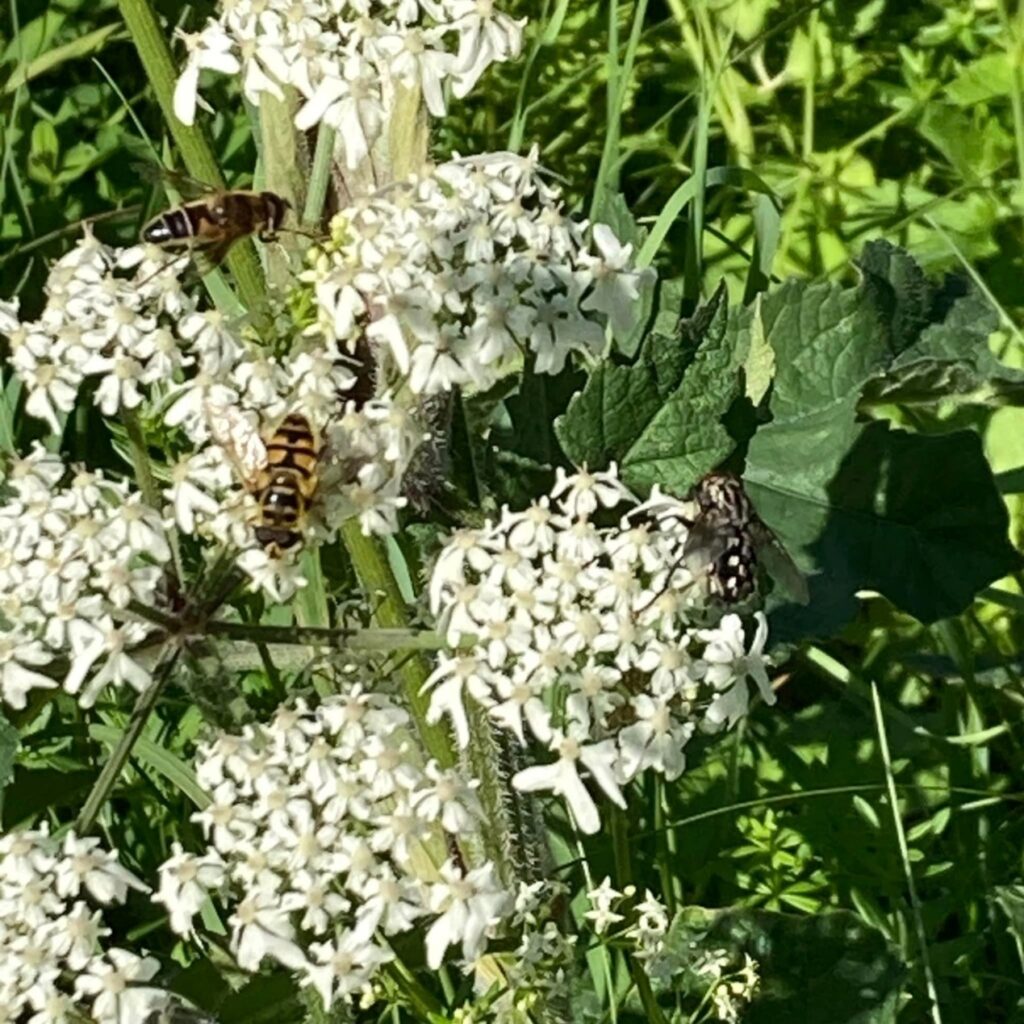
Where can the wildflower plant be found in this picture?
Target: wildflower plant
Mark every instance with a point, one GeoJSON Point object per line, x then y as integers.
{"type": "Point", "coordinates": [374, 768]}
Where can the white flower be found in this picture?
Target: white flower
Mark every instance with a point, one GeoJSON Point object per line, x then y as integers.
{"type": "Point", "coordinates": [601, 900]}
{"type": "Point", "coordinates": [729, 665]}
{"type": "Point", "coordinates": [259, 929]}
{"type": "Point", "coordinates": [211, 48]}
{"type": "Point", "coordinates": [562, 777]}
{"type": "Point", "coordinates": [616, 287]}
{"type": "Point", "coordinates": [113, 982]}
{"type": "Point", "coordinates": [468, 904]}
{"type": "Point", "coordinates": [186, 882]}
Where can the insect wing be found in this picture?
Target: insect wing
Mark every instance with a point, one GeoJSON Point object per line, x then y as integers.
{"type": "Point", "coordinates": [239, 438]}
{"type": "Point", "coordinates": [183, 184]}
{"type": "Point", "coordinates": [779, 563]}
{"type": "Point", "coordinates": [706, 542]}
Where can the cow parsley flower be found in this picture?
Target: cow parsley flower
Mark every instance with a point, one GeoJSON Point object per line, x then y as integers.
{"type": "Point", "coordinates": [590, 643]}
{"type": "Point", "coordinates": [347, 60]}
{"type": "Point", "coordinates": [78, 548]}
{"type": "Point", "coordinates": [454, 277]}
{"type": "Point", "coordinates": [318, 832]}
{"type": "Point", "coordinates": [55, 962]}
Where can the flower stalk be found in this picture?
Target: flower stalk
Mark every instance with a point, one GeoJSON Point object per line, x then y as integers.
{"type": "Point", "coordinates": [111, 770]}
{"type": "Point", "coordinates": [381, 588]}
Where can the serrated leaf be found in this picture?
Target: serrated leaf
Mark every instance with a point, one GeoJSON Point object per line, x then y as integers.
{"type": "Point", "coordinates": [659, 418]}
{"type": "Point", "coordinates": [863, 506]}
{"type": "Point", "coordinates": [950, 360]}
{"type": "Point", "coordinates": [759, 368]}
{"type": "Point", "coordinates": [826, 968]}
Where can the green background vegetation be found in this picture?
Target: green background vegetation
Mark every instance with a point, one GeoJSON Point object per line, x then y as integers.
{"type": "Point", "coordinates": [750, 142]}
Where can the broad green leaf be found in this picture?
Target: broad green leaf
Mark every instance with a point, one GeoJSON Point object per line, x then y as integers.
{"type": "Point", "coordinates": [827, 968]}
{"type": "Point", "coordinates": [917, 519]}
{"type": "Point", "coordinates": [867, 507]}
{"type": "Point", "coordinates": [951, 360]}
{"type": "Point", "coordinates": [659, 418]}
{"type": "Point", "coordinates": [44, 152]}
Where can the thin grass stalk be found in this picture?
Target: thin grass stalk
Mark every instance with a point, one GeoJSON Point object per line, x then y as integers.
{"type": "Point", "coordinates": [379, 584]}
{"type": "Point", "coordinates": [196, 150]}
{"type": "Point", "coordinates": [908, 872]}
{"type": "Point", "coordinates": [111, 770]}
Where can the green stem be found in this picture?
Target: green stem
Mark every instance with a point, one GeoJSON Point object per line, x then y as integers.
{"type": "Point", "coordinates": [112, 768]}
{"type": "Point", "coordinates": [145, 479]}
{"type": "Point", "coordinates": [624, 877]}
{"type": "Point", "coordinates": [387, 639]}
{"type": "Point", "coordinates": [381, 588]}
{"type": "Point", "coordinates": [192, 142]}
{"type": "Point", "coordinates": [319, 179]}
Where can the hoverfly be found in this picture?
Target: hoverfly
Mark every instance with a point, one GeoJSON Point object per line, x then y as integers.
{"type": "Point", "coordinates": [727, 540]}
{"type": "Point", "coordinates": [213, 219]}
{"type": "Point", "coordinates": [281, 471]}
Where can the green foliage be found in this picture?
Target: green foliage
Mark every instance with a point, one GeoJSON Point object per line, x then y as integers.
{"type": "Point", "coordinates": [827, 968]}
{"type": "Point", "coordinates": [755, 142]}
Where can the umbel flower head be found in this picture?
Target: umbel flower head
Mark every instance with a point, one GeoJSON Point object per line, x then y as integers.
{"type": "Point", "coordinates": [321, 833]}
{"type": "Point", "coordinates": [347, 58]}
{"type": "Point", "coordinates": [76, 549]}
{"type": "Point", "coordinates": [588, 642]}
{"type": "Point", "coordinates": [55, 962]}
{"type": "Point", "coordinates": [122, 321]}
{"type": "Point", "coordinates": [452, 278]}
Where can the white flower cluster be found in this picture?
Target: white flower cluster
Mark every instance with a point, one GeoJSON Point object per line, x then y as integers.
{"type": "Point", "coordinates": [324, 839]}
{"type": "Point", "coordinates": [121, 320]}
{"type": "Point", "coordinates": [734, 987]}
{"type": "Point", "coordinates": [54, 966]}
{"type": "Point", "coordinates": [452, 277]}
{"type": "Point", "coordinates": [346, 57]}
{"type": "Point", "coordinates": [73, 552]}
{"type": "Point", "coordinates": [587, 640]}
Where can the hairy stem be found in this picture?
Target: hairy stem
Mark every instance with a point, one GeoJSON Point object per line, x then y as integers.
{"type": "Point", "coordinates": [381, 588]}
{"type": "Point", "coordinates": [111, 770]}
{"type": "Point", "coordinates": [151, 42]}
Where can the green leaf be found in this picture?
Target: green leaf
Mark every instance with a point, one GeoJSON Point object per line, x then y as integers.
{"type": "Point", "coordinates": [48, 61]}
{"type": "Point", "coordinates": [660, 418]}
{"type": "Point", "coordinates": [986, 78]}
{"type": "Point", "coordinates": [43, 152]}
{"type": "Point", "coordinates": [917, 519]}
{"type": "Point", "coordinates": [759, 368]}
{"type": "Point", "coordinates": [9, 741]}
{"type": "Point", "coordinates": [827, 968]}
{"type": "Point", "coordinates": [162, 761]}
{"type": "Point", "coordinates": [1011, 900]}
{"type": "Point", "coordinates": [950, 360]}
{"type": "Point", "coordinates": [863, 506]}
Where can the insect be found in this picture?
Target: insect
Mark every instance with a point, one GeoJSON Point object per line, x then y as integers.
{"type": "Point", "coordinates": [213, 223]}
{"type": "Point", "coordinates": [727, 539]}
{"type": "Point", "coordinates": [286, 486]}
{"type": "Point", "coordinates": [281, 472]}
{"type": "Point", "coordinates": [211, 219]}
